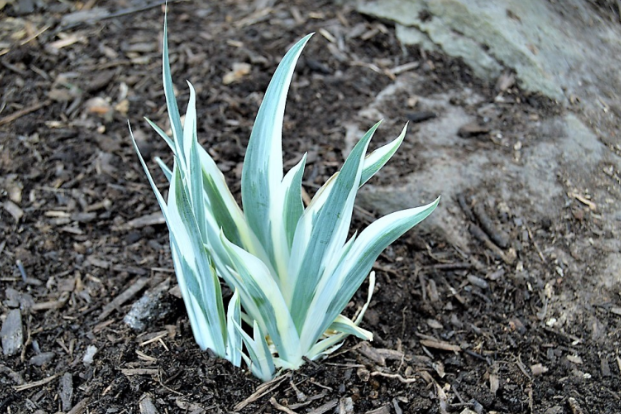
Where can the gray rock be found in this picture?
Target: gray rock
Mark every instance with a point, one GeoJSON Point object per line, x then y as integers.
{"type": "Point", "coordinates": [560, 49]}
{"type": "Point", "coordinates": [148, 308]}
{"type": "Point", "coordinates": [12, 333]}
{"type": "Point", "coordinates": [16, 377]}
{"type": "Point", "coordinates": [12, 298]}
{"type": "Point", "coordinates": [66, 391]}
{"type": "Point", "coordinates": [146, 405]}
{"type": "Point", "coordinates": [16, 299]}
{"type": "Point", "coordinates": [91, 350]}
{"type": "Point", "coordinates": [25, 7]}
{"type": "Point", "coordinates": [42, 358]}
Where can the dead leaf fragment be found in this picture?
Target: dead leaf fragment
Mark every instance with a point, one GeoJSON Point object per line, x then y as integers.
{"type": "Point", "coordinates": [239, 71]}
{"type": "Point", "coordinates": [151, 219]}
{"type": "Point", "coordinates": [66, 40]}
{"type": "Point", "coordinates": [122, 107]}
{"type": "Point", "coordinates": [13, 187]}
{"type": "Point", "coordinates": [505, 81]}
{"type": "Point", "coordinates": [80, 16]}
{"type": "Point", "coordinates": [139, 371]}
{"type": "Point", "coordinates": [363, 374]}
{"type": "Point", "coordinates": [494, 383]}
{"type": "Point", "coordinates": [98, 106]}
{"type": "Point", "coordinates": [61, 95]}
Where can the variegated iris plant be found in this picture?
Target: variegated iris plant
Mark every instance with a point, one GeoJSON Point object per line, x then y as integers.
{"type": "Point", "coordinates": [292, 269]}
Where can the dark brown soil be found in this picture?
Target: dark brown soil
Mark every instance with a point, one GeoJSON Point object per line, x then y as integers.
{"type": "Point", "coordinates": [75, 231]}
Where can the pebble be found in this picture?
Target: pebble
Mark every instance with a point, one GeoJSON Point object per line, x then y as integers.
{"type": "Point", "coordinates": [146, 405]}
{"type": "Point", "coordinates": [91, 350]}
{"type": "Point", "coordinates": [66, 391]}
{"type": "Point", "coordinates": [148, 308]}
{"type": "Point", "coordinates": [478, 282]}
{"type": "Point", "coordinates": [42, 358]}
{"type": "Point", "coordinates": [347, 405]}
{"type": "Point", "coordinates": [12, 333]}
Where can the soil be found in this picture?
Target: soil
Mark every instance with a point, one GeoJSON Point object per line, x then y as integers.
{"type": "Point", "coordinates": [81, 239]}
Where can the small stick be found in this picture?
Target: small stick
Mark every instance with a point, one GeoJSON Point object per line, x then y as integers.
{"type": "Point", "coordinates": [394, 376]}
{"type": "Point", "coordinates": [120, 13]}
{"type": "Point", "coordinates": [22, 271]}
{"type": "Point", "coordinates": [441, 345]}
{"type": "Point", "coordinates": [461, 199]}
{"type": "Point", "coordinates": [261, 391]}
{"type": "Point", "coordinates": [35, 384]}
{"type": "Point", "coordinates": [325, 408]}
{"type": "Point", "coordinates": [18, 114]}
{"type": "Point", "coordinates": [498, 236]}
{"type": "Point", "coordinates": [541, 256]}
{"type": "Point", "coordinates": [280, 407]}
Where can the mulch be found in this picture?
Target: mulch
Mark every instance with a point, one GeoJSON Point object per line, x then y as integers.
{"type": "Point", "coordinates": [494, 329]}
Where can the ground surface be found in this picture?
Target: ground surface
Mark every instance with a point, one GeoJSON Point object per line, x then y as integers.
{"type": "Point", "coordinates": [455, 330]}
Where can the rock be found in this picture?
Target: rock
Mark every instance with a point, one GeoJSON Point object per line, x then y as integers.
{"type": "Point", "coordinates": [91, 350]}
{"type": "Point", "coordinates": [25, 7]}
{"type": "Point", "coordinates": [528, 37]}
{"type": "Point", "coordinates": [66, 391]}
{"type": "Point", "coordinates": [16, 377]}
{"type": "Point", "coordinates": [12, 333]}
{"type": "Point", "coordinates": [42, 358]}
{"type": "Point", "coordinates": [346, 405]}
{"type": "Point", "coordinates": [148, 308]}
{"type": "Point", "coordinates": [146, 405]}
{"type": "Point", "coordinates": [12, 298]}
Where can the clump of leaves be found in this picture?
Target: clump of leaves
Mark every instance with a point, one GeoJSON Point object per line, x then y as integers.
{"type": "Point", "coordinates": [292, 269]}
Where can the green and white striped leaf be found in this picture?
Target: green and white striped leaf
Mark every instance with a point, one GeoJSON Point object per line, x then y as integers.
{"type": "Point", "coordinates": [234, 339]}
{"type": "Point", "coordinates": [263, 301]}
{"type": "Point", "coordinates": [322, 232]}
{"type": "Point", "coordinates": [222, 205]}
{"type": "Point", "coordinates": [194, 175]}
{"type": "Point", "coordinates": [162, 134]}
{"type": "Point", "coordinates": [325, 296]}
{"type": "Point", "coordinates": [167, 171]}
{"type": "Point", "coordinates": [293, 204]}
{"type": "Point", "coordinates": [259, 357]}
{"type": "Point", "coordinates": [171, 101]}
{"type": "Point", "coordinates": [262, 175]}
{"type": "Point", "coordinates": [186, 234]}
{"type": "Point", "coordinates": [378, 158]}
{"type": "Point", "coordinates": [358, 262]}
